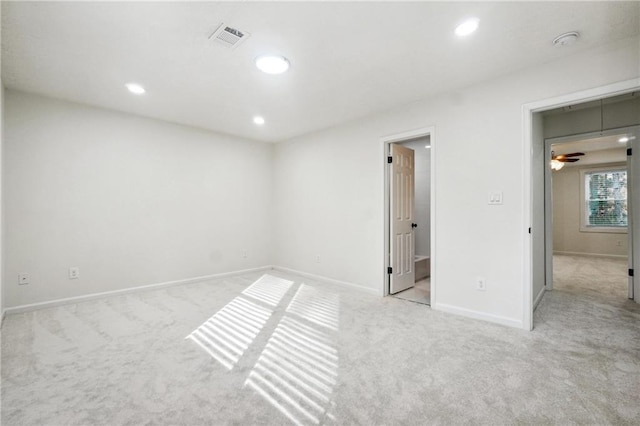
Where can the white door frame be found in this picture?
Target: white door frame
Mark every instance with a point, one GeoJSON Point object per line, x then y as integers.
{"type": "Point", "coordinates": [528, 110]}
{"type": "Point", "coordinates": [385, 149]}
{"type": "Point", "coordinates": [548, 202]}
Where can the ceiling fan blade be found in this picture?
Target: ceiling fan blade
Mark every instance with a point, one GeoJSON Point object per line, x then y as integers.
{"type": "Point", "coordinates": [568, 160]}
{"type": "Point", "coordinates": [564, 156]}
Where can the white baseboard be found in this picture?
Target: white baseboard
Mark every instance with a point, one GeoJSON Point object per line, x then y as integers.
{"type": "Point", "coordinates": [477, 315]}
{"type": "Point", "coordinates": [576, 253]}
{"type": "Point", "coordinates": [438, 306]}
{"type": "Point", "coordinates": [327, 279]}
{"type": "Point", "coordinates": [93, 296]}
{"type": "Point", "coordinates": [539, 297]}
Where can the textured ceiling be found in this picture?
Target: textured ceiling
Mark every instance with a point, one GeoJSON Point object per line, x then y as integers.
{"type": "Point", "coordinates": [349, 59]}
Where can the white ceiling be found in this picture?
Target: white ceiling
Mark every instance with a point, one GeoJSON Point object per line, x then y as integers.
{"type": "Point", "coordinates": [348, 59]}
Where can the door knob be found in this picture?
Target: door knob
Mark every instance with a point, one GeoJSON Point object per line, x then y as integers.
{"type": "Point", "coordinates": [414, 225]}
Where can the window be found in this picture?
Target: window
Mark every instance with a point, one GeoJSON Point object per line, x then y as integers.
{"type": "Point", "coordinates": [604, 200]}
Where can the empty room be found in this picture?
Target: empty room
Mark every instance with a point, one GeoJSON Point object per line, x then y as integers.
{"type": "Point", "coordinates": [320, 213]}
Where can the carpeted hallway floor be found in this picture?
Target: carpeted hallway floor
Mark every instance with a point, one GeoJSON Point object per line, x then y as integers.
{"type": "Point", "coordinates": [279, 349]}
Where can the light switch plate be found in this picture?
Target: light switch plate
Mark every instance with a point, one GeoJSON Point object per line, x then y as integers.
{"type": "Point", "coordinates": [495, 197]}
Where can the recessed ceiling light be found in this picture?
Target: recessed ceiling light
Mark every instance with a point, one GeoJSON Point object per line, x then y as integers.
{"type": "Point", "coordinates": [427, 146]}
{"type": "Point", "coordinates": [566, 39]}
{"type": "Point", "coordinates": [623, 139]}
{"type": "Point", "coordinates": [467, 27]}
{"type": "Point", "coordinates": [258, 120]}
{"type": "Point", "coordinates": [272, 64]}
{"type": "Point", "coordinates": [135, 88]}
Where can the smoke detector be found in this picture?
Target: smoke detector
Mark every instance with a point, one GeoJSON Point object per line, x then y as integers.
{"type": "Point", "coordinates": [229, 36]}
{"type": "Point", "coordinates": [566, 39]}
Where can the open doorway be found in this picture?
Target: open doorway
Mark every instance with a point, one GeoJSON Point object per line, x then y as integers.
{"type": "Point", "coordinates": [408, 234]}
{"type": "Point", "coordinates": [589, 223]}
{"type": "Point", "coordinates": [583, 199]}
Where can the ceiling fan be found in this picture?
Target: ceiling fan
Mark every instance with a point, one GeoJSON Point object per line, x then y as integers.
{"type": "Point", "coordinates": [557, 161]}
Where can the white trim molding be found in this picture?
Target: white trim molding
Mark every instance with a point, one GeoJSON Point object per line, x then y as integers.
{"type": "Point", "coordinates": [327, 279]}
{"type": "Point", "coordinates": [93, 296]}
{"type": "Point", "coordinates": [583, 171]}
{"type": "Point", "coordinates": [539, 297]}
{"type": "Point", "coordinates": [511, 322]}
{"type": "Point", "coordinates": [578, 253]}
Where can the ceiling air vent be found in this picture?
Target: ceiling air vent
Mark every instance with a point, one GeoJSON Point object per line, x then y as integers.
{"type": "Point", "coordinates": [228, 36]}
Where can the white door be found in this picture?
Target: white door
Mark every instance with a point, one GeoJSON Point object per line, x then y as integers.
{"type": "Point", "coordinates": [402, 254]}
{"type": "Point", "coordinates": [633, 198]}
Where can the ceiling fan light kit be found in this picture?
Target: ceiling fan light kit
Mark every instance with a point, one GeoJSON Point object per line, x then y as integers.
{"type": "Point", "coordinates": [557, 161]}
{"type": "Point", "coordinates": [556, 165]}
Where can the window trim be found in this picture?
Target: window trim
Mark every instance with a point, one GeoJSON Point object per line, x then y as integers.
{"type": "Point", "coordinates": [584, 227]}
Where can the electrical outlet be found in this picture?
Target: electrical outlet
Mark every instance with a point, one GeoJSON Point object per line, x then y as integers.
{"type": "Point", "coordinates": [23, 279]}
{"type": "Point", "coordinates": [318, 259]}
{"type": "Point", "coordinates": [244, 254]}
{"type": "Point", "coordinates": [481, 284]}
{"type": "Point", "coordinates": [74, 273]}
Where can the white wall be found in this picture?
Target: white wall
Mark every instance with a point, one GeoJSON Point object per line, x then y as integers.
{"type": "Point", "coordinates": [133, 201]}
{"type": "Point", "coordinates": [130, 201]}
{"type": "Point", "coordinates": [329, 185]}
{"type": "Point", "coordinates": [567, 237]}
{"type": "Point", "coordinates": [613, 113]}
{"type": "Point", "coordinates": [422, 203]}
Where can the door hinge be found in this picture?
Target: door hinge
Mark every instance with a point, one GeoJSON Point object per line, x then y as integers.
{"type": "Point", "coordinates": [630, 272]}
{"type": "Point", "coordinates": [529, 230]}
{"type": "Point", "coordinates": [389, 159]}
{"type": "Point", "coordinates": [389, 270]}
{"type": "Point", "coordinates": [629, 152]}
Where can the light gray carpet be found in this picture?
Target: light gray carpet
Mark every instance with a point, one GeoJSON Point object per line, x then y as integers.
{"type": "Point", "coordinates": [283, 350]}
